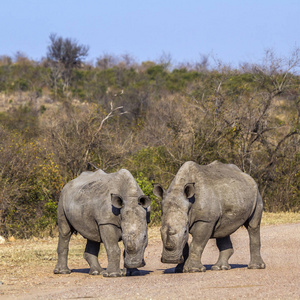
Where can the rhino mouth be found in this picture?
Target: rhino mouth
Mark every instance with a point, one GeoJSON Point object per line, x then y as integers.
{"type": "Point", "coordinates": [167, 260]}
{"type": "Point", "coordinates": [131, 265]}
{"type": "Point", "coordinates": [172, 257]}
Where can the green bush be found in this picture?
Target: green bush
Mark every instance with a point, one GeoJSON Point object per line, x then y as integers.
{"type": "Point", "coordinates": [30, 183]}
{"type": "Point", "coordinates": [146, 185]}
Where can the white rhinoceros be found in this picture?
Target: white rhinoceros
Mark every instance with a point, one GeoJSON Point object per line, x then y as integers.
{"type": "Point", "coordinates": [210, 201]}
{"type": "Point", "coordinates": [104, 208]}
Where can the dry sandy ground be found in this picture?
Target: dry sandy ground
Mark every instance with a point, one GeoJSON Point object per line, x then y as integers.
{"type": "Point", "coordinates": [280, 280]}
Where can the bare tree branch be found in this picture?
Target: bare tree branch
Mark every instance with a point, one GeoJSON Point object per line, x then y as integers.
{"type": "Point", "coordinates": [113, 112]}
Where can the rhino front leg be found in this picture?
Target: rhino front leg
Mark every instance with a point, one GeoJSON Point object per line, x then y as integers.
{"type": "Point", "coordinates": [110, 235]}
{"type": "Point", "coordinates": [226, 250]}
{"type": "Point", "coordinates": [185, 254]}
{"type": "Point", "coordinates": [201, 233]}
{"type": "Point", "coordinates": [91, 256]}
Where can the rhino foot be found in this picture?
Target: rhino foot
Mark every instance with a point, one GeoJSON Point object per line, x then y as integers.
{"type": "Point", "coordinates": [114, 274]}
{"type": "Point", "coordinates": [94, 271]}
{"type": "Point", "coordinates": [106, 273]}
{"type": "Point", "coordinates": [220, 267]}
{"type": "Point", "coordinates": [62, 271]}
{"type": "Point", "coordinates": [192, 266]}
{"type": "Point", "coordinates": [194, 269]}
{"type": "Point", "coordinates": [257, 265]}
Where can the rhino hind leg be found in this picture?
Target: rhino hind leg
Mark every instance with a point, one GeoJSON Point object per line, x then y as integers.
{"type": "Point", "coordinates": [253, 227]}
{"type": "Point", "coordinates": [65, 233]}
{"type": "Point", "coordinates": [226, 250]}
{"type": "Point", "coordinates": [91, 256]}
{"type": "Point", "coordinates": [256, 261]}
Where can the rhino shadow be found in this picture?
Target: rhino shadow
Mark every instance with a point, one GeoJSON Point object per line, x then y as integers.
{"type": "Point", "coordinates": [83, 271]}
{"type": "Point", "coordinates": [86, 271]}
{"type": "Point", "coordinates": [168, 271]}
{"type": "Point", "coordinates": [233, 266]}
{"type": "Point", "coordinates": [208, 268]}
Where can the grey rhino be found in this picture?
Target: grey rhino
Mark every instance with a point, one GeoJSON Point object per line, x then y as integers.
{"type": "Point", "coordinates": [208, 201]}
{"type": "Point", "coordinates": [104, 208]}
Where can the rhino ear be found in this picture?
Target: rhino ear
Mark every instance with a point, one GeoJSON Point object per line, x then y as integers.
{"type": "Point", "coordinates": [144, 201]}
{"type": "Point", "coordinates": [117, 201]}
{"type": "Point", "coordinates": [158, 190]}
{"type": "Point", "coordinates": [189, 190]}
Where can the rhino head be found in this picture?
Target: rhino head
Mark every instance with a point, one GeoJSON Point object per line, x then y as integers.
{"type": "Point", "coordinates": [175, 222]}
{"type": "Point", "coordinates": [133, 214]}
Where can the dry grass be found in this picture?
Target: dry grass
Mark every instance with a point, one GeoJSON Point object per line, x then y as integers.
{"type": "Point", "coordinates": [280, 218]}
{"type": "Point", "coordinates": [41, 250]}
{"type": "Point", "coordinates": [25, 261]}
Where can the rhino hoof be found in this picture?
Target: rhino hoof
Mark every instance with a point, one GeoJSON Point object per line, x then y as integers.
{"type": "Point", "coordinates": [194, 270]}
{"type": "Point", "coordinates": [94, 271]}
{"type": "Point", "coordinates": [58, 271]}
{"type": "Point", "coordinates": [220, 267]}
{"type": "Point", "coordinates": [114, 274]}
{"type": "Point", "coordinates": [257, 266]}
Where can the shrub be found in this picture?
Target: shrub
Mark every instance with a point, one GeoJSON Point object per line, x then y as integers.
{"type": "Point", "coordinates": [30, 185]}
{"type": "Point", "coordinates": [146, 185]}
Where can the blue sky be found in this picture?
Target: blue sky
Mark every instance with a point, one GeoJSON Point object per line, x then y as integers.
{"type": "Point", "coordinates": [233, 31]}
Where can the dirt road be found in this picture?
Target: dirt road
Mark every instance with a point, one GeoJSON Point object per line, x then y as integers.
{"type": "Point", "coordinates": [280, 280]}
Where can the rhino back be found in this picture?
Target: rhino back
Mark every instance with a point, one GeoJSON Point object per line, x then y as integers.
{"type": "Point", "coordinates": [87, 200]}
{"type": "Point", "coordinates": [223, 193]}
{"type": "Point", "coordinates": [87, 203]}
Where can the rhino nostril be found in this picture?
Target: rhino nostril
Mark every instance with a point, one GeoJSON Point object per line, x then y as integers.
{"type": "Point", "coordinates": [169, 244]}
{"type": "Point", "coordinates": [171, 231]}
{"type": "Point", "coordinates": [169, 247]}
{"type": "Point", "coordinates": [131, 247]}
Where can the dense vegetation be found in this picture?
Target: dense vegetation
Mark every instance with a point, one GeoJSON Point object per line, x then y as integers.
{"type": "Point", "coordinates": [149, 118]}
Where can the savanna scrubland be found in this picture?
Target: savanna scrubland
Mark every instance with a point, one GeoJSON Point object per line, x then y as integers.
{"type": "Point", "coordinates": [61, 116]}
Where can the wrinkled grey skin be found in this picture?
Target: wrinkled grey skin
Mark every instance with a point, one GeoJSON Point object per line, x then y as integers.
{"type": "Point", "coordinates": [210, 201]}
{"type": "Point", "coordinates": [104, 208]}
